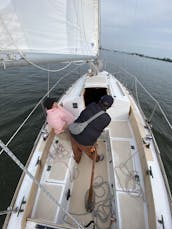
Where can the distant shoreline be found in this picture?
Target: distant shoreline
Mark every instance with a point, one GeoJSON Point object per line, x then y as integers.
{"type": "Point", "coordinates": [140, 55]}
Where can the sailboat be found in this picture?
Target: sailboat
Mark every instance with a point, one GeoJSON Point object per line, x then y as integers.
{"type": "Point", "coordinates": [130, 185]}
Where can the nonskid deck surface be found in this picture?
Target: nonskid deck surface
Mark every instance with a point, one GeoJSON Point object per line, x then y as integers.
{"type": "Point", "coordinates": [124, 191]}
{"type": "Point", "coordinates": [102, 212]}
{"type": "Point", "coordinates": [118, 180]}
{"type": "Point", "coordinates": [120, 195]}
{"type": "Point", "coordinates": [130, 200]}
{"type": "Point", "coordinates": [54, 180]}
{"type": "Point", "coordinates": [55, 176]}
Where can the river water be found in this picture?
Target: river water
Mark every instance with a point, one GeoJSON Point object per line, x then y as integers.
{"type": "Point", "coordinates": [21, 89]}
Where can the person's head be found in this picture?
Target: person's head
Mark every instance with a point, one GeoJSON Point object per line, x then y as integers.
{"type": "Point", "coordinates": [106, 101]}
{"type": "Point", "coordinates": [49, 102]}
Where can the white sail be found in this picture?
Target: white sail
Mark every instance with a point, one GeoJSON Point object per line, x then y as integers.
{"type": "Point", "coordinates": [48, 29]}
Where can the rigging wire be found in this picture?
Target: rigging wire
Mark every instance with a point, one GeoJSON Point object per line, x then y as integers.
{"type": "Point", "coordinates": [26, 171]}
{"type": "Point", "coordinates": [137, 96]}
{"type": "Point", "coordinates": [36, 106]}
{"type": "Point", "coordinates": [26, 59]}
{"type": "Point", "coordinates": [155, 100]}
{"type": "Point", "coordinates": [72, 25]}
{"type": "Point", "coordinates": [151, 96]}
{"type": "Point", "coordinates": [48, 82]}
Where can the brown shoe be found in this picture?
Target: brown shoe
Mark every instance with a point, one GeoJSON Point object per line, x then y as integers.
{"type": "Point", "coordinates": [100, 158]}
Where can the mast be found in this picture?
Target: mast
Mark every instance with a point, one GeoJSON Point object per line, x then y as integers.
{"type": "Point", "coordinates": [99, 28]}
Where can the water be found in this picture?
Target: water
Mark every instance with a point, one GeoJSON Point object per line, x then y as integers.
{"type": "Point", "coordinates": [21, 89]}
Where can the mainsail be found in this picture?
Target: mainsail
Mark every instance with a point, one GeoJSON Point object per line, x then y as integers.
{"type": "Point", "coordinates": [47, 30]}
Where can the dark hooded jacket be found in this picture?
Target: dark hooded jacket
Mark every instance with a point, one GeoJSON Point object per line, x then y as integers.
{"type": "Point", "coordinates": [94, 129]}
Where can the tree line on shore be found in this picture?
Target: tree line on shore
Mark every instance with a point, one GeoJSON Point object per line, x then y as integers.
{"type": "Point", "coordinates": [140, 55]}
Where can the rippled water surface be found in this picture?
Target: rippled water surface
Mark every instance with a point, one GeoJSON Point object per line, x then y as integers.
{"type": "Point", "coordinates": [21, 89]}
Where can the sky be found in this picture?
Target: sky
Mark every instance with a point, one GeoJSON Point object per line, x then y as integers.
{"type": "Point", "coordinates": [142, 26]}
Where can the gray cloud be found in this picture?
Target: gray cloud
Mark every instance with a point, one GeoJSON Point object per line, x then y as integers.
{"type": "Point", "coordinates": [138, 26]}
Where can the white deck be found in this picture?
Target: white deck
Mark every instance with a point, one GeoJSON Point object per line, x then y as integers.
{"type": "Point", "coordinates": [119, 184]}
{"type": "Point", "coordinates": [128, 198]}
{"type": "Point", "coordinates": [129, 192]}
{"type": "Point", "coordinates": [130, 202]}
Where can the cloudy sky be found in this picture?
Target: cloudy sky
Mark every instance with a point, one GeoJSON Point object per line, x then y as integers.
{"type": "Point", "coordinates": [142, 26]}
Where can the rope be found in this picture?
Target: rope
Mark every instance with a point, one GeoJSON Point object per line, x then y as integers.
{"type": "Point", "coordinates": [102, 212]}
{"type": "Point", "coordinates": [40, 101]}
{"type": "Point", "coordinates": [26, 171]}
{"type": "Point", "coordinates": [6, 211]}
{"type": "Point", "coordinates": [152, 114]}
{"type": "Point", "coordinates": [41, 68]}
{"type": "Point", "coordinates": [103, 208]}
{"type": "Point", "coordinates": [63, 154]}
{"type": "Point", "coordinates": [130, 176]}
{"type": "Point", "coordinates": [29, 61]}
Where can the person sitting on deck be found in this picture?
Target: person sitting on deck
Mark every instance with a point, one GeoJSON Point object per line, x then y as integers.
{"type": "Point", "coordinates": [86, 140]}
{"type": "Point", "coordinates": [57, 117]}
